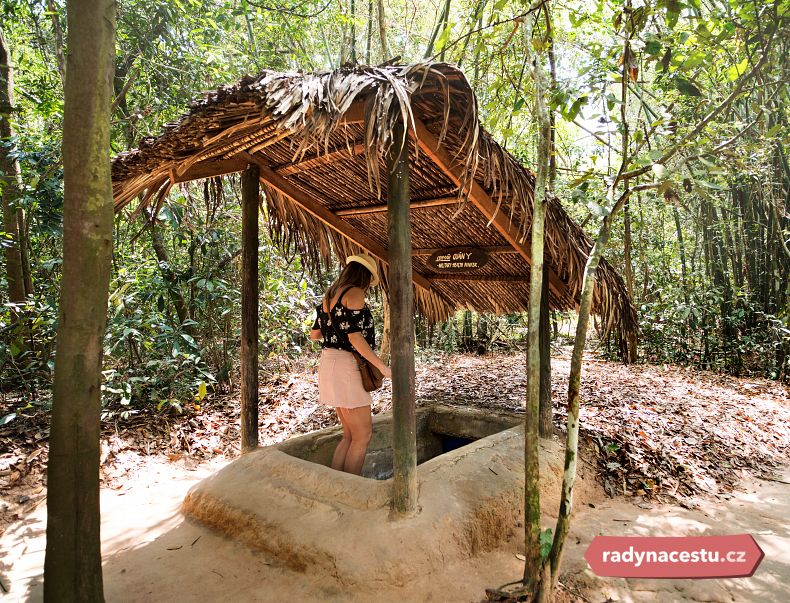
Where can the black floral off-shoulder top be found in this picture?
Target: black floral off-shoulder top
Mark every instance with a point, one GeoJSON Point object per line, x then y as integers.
{"type": "Point", "coordinates": [343, 323]}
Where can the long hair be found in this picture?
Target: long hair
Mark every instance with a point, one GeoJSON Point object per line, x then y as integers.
{"type": "Point", "coordinates": [353, 274]}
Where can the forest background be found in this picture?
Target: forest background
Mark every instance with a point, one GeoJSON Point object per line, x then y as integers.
{"type": "Point", "coordinates": [705, 254]}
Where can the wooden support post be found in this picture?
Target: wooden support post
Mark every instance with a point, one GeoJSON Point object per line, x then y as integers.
{"type": "Point", "coordinates": [404, 441]}
{"type": "Point", "coordinates": [250, 191]}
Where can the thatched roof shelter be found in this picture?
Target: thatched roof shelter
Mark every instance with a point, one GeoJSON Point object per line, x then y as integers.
{"type": "Point", "coordinates": [321, 142]}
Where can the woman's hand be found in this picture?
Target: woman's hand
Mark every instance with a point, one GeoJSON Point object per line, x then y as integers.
{"type": "Point", "coordinates": [361, 346]}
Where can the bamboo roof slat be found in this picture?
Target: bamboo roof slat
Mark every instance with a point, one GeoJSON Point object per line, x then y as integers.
{"type": "Point", "coordinates": [334, 155]}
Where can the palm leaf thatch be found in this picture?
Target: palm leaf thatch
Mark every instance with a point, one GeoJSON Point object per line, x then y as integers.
{"type": "Point", "coordinates": [322, 141]}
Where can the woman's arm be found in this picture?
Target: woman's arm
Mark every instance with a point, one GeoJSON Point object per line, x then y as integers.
{"type": "Point", "coordinates": [315, 334]}
{"type": "Point", "coordinates": [355, 300]}
{"type": "Point", "coordinates": [361, 346]}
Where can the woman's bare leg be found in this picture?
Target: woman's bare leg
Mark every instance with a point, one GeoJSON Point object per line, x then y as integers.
{"type": "Point", "coordinates": [339, 458]}
{"type": "Point", "coordinates": [360, 423]}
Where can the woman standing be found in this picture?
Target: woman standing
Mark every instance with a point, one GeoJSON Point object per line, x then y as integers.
{"type": "Point", "coordinates": [345, 323]}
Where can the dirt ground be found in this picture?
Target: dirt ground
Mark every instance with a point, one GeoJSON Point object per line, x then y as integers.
{"type": "Point", "coordinates": [152, 554]}
{"type": "Point", "coordinates": [679, 452]}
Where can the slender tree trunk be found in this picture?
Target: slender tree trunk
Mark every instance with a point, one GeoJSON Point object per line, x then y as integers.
{"type": "Point", "coordinates": [574, 381]}
{"type": "Point", "coordinates": [533, 565]}
{"type": "Point", "coordinates": [630, 351]}
{"type": "Point", "coordinates": [23, 219]}
{"type": "Point", "coordinates": [682, 249]}
{"type": "Point", "coordinates": [628, 264]}
{"type": "Point", "coordinates": [56, 27]}
{"type": "Point", "coordinates": [683, 277]}
{"type": "Point", "coordinates": [382, 18]}
{"type": "Point", "coordinates": [353, 32]}
{"type": "Point", "coordinates": [546, 425]}
{"type": "Point", "coordinates": [441, 24]}
{"type": "Point", "coordinates": [369, 34]}
{"type": "Point", "coordinates": [72, 567]}
{"type": "Point", "coordinates": [163, 260]}
{"type": "Point", "coordinates": [466, 331]}
{"type": "Point", "coordinates": [585, 307]}
{"type": "Point", "coordinates": [10, 184]}
{"type": "Point", "coordinates": [482, 330]}
{"type": "Point", "coordinates": [474, 24]}
{"type": "Point", "coordinates": [552, 91]}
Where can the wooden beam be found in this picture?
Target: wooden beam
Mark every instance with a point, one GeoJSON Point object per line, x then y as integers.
{"type": "Point", "coordinates": [250, 191]}
{"type": "Point", "coordinates": [401, 298]}
{"type": "Point", "coordinates": [337, 154]}
{"type": "Point", "coordinates": [381, 208]}
{"type": "Point", "coordinates": [491, 250]}
{"type": "Point", "coordinates": [318, 209]}
{"type": "Point", "coordinates": [209, 169]}
{"type": "Point", "coordinates": [429, 144]}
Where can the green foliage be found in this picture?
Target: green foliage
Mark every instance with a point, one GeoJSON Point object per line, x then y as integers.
{"type": "Point", "coordinates": [546, 540]}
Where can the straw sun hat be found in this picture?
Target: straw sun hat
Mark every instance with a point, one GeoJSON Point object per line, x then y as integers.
{"type": "Point", "coordinates": [369, 263]}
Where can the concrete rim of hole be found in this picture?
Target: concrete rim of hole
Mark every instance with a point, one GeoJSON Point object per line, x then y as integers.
{"type": "Point", "coordinates": [285, 501]}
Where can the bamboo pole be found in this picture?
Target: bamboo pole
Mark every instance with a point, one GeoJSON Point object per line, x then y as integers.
{"type": "Point", "coordinates": [404, 442]}
{"type": "Point", "coordinates": [250, 191]}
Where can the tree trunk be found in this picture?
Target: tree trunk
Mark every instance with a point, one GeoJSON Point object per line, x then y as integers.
{"type": "Point", "coordinates": [482, 331]}
{"type": "Point", "coordinates": [546, 425]}
{"type": "Point", "coordinates": [250, 194]}
{"type": "Point", "coordinates": [385, 49]}
{"type": "Point", "coordinates": [163, 261]}
{"type": "Point", "coordinates": [628, 265]}
{"type": "Point", "coordinates": [369, 34]}
{"type": "Point", "coordinates": [10, 185]}
{"type": "Point", "coordinates": [53, 13]}
{"type": "Point", "coordinates": [474, 24]}
{"type": "Point", "coordinates": [585, 306]}
{"type": "Point", "coordinates": [72, 567]}
{"type": "Point", "coordinates": [533, 565]}
{"type": "Point", "coordinates": [441, 24]}
{"type": "Point", "coordinates": [546, 428]}
{"type": "Point", "coordinates": [682, 249]}
{"type": "Point", "coordinates": [353, 32]}
{"type": "Point", "coordinates": [574, 381]}
{"type": "Point", "coordinates": [404, 442]}
{"type": "Point", "coordinates": [466, 331]}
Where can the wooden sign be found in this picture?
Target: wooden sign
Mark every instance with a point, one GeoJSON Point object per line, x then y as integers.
{"type": "Point", "coordinates": [458, 259]}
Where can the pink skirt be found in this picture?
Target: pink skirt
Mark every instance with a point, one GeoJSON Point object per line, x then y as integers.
{"type": "Point", "coordinates": [339, 381]}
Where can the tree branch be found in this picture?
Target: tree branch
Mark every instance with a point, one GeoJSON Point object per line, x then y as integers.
{"type": "Point", "coordinates": [673, 150]}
